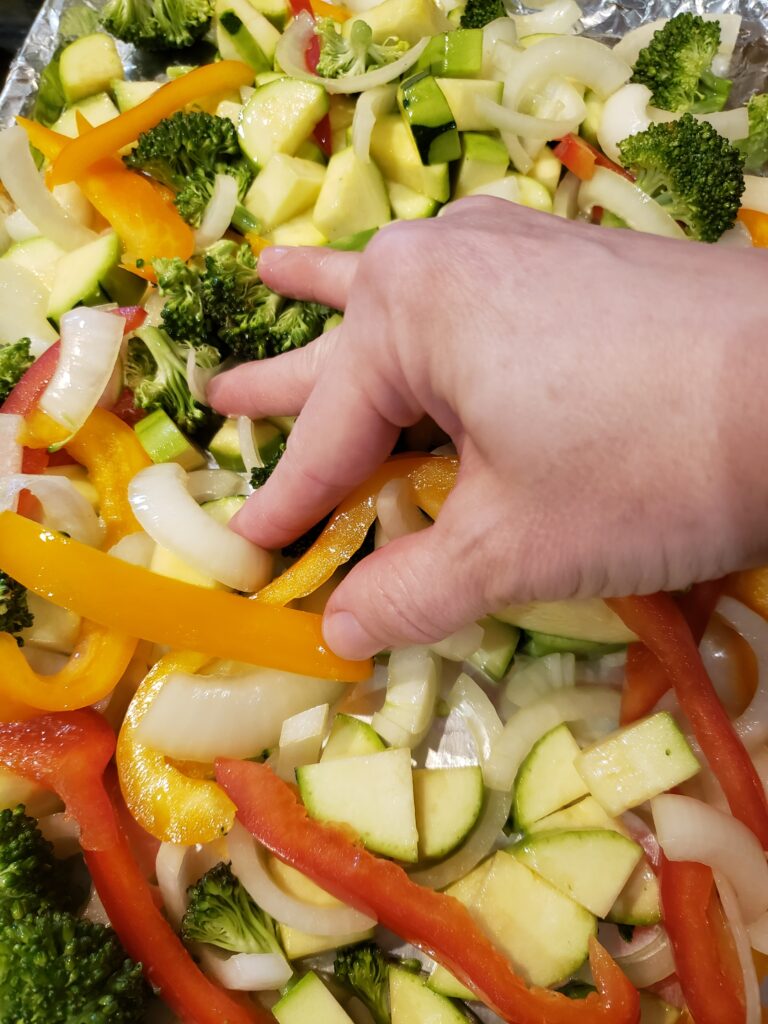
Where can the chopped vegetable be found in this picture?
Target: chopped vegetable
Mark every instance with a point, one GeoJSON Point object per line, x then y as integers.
{"type": "Point", "coordinates": [157, 24]}
{"type": "Point", "coordinates": [15, 360]}
{"type": "Point", "coordinates": [260, 474]}
{"type": "Point", "coordinates": [478, 13]}
{"type": "Point", "coordinates": [755, 146]}
{"type": "Point", "coordinates": [353, 55]}
{"type": "Point", "coordinates": [15, 615]}
{"type": "Point", "coordinates": [365, 970]}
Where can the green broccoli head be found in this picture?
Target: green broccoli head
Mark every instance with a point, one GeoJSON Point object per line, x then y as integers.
{"type": "Point", "coordinates": [365, 971]}
{"type": "Point", "coordinates": [755, 147]}
{"type": "Point", "coordinates": [299, 323]}
{"type": "Point", "coordinates": [14, 610]}
{"type": "Point", "coordinates": [15, 360]}
{"type": "Point", "coordinates": [158, 24]}
{"type": "Point", "coordinates": [690, 170]}
{"type": "Point", "coordinates": [185, 152]}
{"type": "Point", "coordinates": [28, 868]}
{"type": "Point", "coordinates": [183, 315]}
{"type": "Point", "coordinates": [676, 66]}
{"type": "Point", "coordinates": [479, 13]}
{"type": "Point", "coordinates": [59, 969]}
{"type": "Point", "coordinates": [260, 474]}
{"type": "Point", "coordinates": [221, 913]}
{"type": "Point", "coordinates": [156, 372]}
{"type": "Point", "coordinates": [340, 56]}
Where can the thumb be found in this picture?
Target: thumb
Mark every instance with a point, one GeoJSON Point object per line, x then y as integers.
{"type": "Point", "coordinates": [418, 589]}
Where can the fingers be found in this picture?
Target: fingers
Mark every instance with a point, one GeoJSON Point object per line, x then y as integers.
{"type": "Point", "coordinates": [418, 589]}
{"type": "Point", "coordinates": [310, 273]}
{"type": "Point", "coordinates": [273, 387]}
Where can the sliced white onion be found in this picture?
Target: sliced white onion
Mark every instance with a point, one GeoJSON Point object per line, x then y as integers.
{"type": "Point", "coordinates": [95, 910]}
{"type": "Point", "coordinates": [201, 717]}
{"type": "Point", "coordinates": [292, 48]}
{"type": "Point", "coordinates": [23, 307]}
{"type": "Point", "coordinates": [752, 724]}
{"type": "Point", "coordinates": [646, 959]}
{"type": "Point", "coordinates": [245, 972]}
{"type": "Point", "coordinates": [212, 484]}
{"type": "Point", "coordinates": [54, 628]}
{"type": "Point", "coordinates": [741, 940]}
{"type": "Point", "coordinates": [19, 227]}
{"type": "Point", "coordinates": [27, 189]}
{"type": "Point", "coordinates": [90, 346]}
{"type": "Point", "coordinates": [173, 519]}
{"type": "Point", "coordinates": [461, 644]}
{"type": "Point", "coordinates": [413, 679]}
{"type": "Point", "coordinates": [499, 40]}
{"type": "Point", "coordinates": [558, 18]}
{"type": "Point", "coordinates": [199, 377]}
{"type": "Point", "coordinates": [688, 829]}
{"type": "Point", "coordinates": [370, 106]}
{"type": "Point", "coordinates": [301, 738]}
{"type": "Point", "coordinates": [476, 847]}
{"type": "Point", "coordinates": [218, 213]}
{"type": "Point", "coordinates": [65, 508]}
{"type": "Point", "coordinates": [630, 45]}
{"type": "Point", "coordinates": [70, 197]}
{"type": "Point", "coordinates": [615, 193]}
{"type": "Point", "coordinates": [397, 510]}
{"type": "Point", "coordinates": [62, 832]}
{"type": "Point", "coordinates": [530, 679]}
{"type": "Point", "coordinates": [624, 113]}
{"type": "Point", "coordinates": [566, 199]}
{"type": "Point", "coordinates": [585, 60]}
{"type": "Point", "coordinates": [135, 548]}
{"type": "Point", "coordinates": [527, 125]}
{"type": "Point", "coordinates": [479, 714]}
{"type": "Point", "coordinates": [248, 451]}
{"type": "Point", "coordinates": [177, 867]}
{"type": "Point", "coordinates": [755, 194]}
{"type": "Point", "coordinates": [360, 6]}
{"type": "Point", "coordinates": [737, 237]}
{"type": "Point", "coordinates": [758, 934]}
{"type": "Point", "coordinates": [10, 446]}
{"type": "Point", "coordinates": [114, 386]}
{"type": "Point", "coordinates": [248, 864]}
{"type": "Point", "coordinates": [505, 188]}
{"type": "Point", "coordinates": [529, 724]}
{"type": "Point", "coordinates": [519, 156]}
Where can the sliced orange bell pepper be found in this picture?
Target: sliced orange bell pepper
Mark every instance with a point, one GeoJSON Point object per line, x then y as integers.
{"type": "Point", "coordinates": [153, 607]}
{"type": "Point", "coordinates": [751, 588]}
{"type": "Point", "coordinates": [140, 210]}
{"type": "Point", "coordinates": [757, 225]}
{"type": "Point", "coordinates": [171, 806]}
{"type": "Point", "coordinates": [431, 479]}
{"type": "Point", "coordinates": [80, 154]}
{"type": "Point", "coordinates": [321, 9]}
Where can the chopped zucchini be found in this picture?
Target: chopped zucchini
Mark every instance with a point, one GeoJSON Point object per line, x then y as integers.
{"type": "Point", "coordinates": [353, 197]}
{"type": "Point", "coordinates": [279, 117]}
{"type": "Point", "coordinates": [350, 737]}
{"type": "Point", "coordinates": [580, 618]}
{"type": "Point", "coordinates": [285, 188]}
{"type": "Point", "coordinates": [309, 1002]}
{"type": "Point", "coordinates": [89, 65]}
{"type": "Point", "coordinates": [448, 803]}
{"type": "Point", "coordinates": [162, 440]}
{"type": "Point", "coordinates": [547, 779]}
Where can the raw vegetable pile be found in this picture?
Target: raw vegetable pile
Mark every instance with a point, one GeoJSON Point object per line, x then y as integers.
{"type": "Point", "coordinates": [557, 814]}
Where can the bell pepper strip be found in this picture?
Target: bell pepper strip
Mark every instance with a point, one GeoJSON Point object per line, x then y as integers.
{"type": "Point", "coordinates": [25, 396]}
{"type": "Point", "coordinates": [134, 317]}
{"type": "Point", "coordinates": [581, 158]}
{"type": "Point", "coordinates": [125, 408]}
{"type": "Point", "coordinates": [714, 993]}
{"type": "Point", "coordinates": [756, 223]}
{"type": "Point", "coordinates": [646, 682]}
{"type": "Point", "coordinates": [109, 138]}
{"type": "Point", "coordinates": [660, 625]}
{"type": "Point", "coordinates": [68, 753]}
{"type": "Point", "coordinates": [171, 806]}
{"type": "Point", "coordinates": [433, 921]}
{"type": "Point", "coordinates": [751, 588]}
{"type": "Point", "coordinates": [140, 210]}
{"type": "Point", "coordinates": [431, 479]}
{"type": "Point", "coordinates": [321, 9]}
{"type": "Point", "coordinates": [144, 604]}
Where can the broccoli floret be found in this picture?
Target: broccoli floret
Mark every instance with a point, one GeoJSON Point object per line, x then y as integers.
{"type": "Point", "coordinates": [14, 610]}
{"type": "Point", "coordinates": [28, 869]}
{"type": "Point", "coordinates": [479, 13]}
{"type": "Point", "coordinates": [676, 66]}
{"type": "Point", "coordinates": [185, 152]}
{"type": "Point", "coordinates": [365, 970]}
{"type": "Point", "coordinates": [355, 55]}
{"type": "Point", "coordinates": [15, 360]}
{"type": "Point", "coordinates": [158, 24]}
{"type": "Point", "coordinates": [183, 314]}
{"type": "Point", "coordinates": [755, 147]}
{"type": "Point", "coordinates": [221, 913]}
{"type": "Point", "coordinates": [260, 474]}
{"type": "Point", "coordinates": [156, 372]}
{"type": "Point", "coordinates": [690, 170]}
{"type": "Point", "coordinates": [59, 969]}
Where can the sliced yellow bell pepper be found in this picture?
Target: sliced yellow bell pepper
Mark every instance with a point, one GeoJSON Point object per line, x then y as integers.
{"type": "Point", "coordinates": [321, 9]}
{"type": "Point", "coordinates": [143, 604]}
{"type": "Point", "coordinates": [751, 588]}
{"type": "Point", "coordinates": [756, 223]}
{"type": "Point", "coordinates": [173, 807]}
{"type": "Point", "coordinates": [79, 154]}
{"type": "Point", "coordinates": [431, 479]}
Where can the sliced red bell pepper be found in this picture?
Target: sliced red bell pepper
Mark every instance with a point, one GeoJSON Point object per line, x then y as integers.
{"type": "Point", "coordinates": [27, 392]}
{"type": "Point", "coordinates": [134, 317]}
{"type": "Point", "coordinates": [125, 408]}
{"type": "Point", "coordinates": [581, 158]}
{"type": "Point", "coordinates": [433, 921]}
{"type": "Point", "coordinates": [322, 132]}
{"type": "Point", "coordinates": [68, 753]}
{"type": "Point", "coordinates": [646, 681]}
{"type": "Point", "coordinates": [660, 625]}
{"type": "Point", "coordinates": [712, 987]}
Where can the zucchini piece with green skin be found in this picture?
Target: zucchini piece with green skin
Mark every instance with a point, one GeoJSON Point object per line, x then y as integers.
{"type": "Point", "coordinates": [88, 66]}
{"type": "Point", "coordinates": [39, 255]}
{"type": "Point", "coordinates": [580, 618]}
{"type": "Point", "coordinates": [592, 866]}
{"type": "Point", "coordinates": [462, 95]}
{"type": "Point", "coordinates": [225, 444]}
{"type": "Point", "coordinates": [395, 153]}
{"type": "Point", "coordinates": [409, 205]}
{"type": "Point", "coordinates": [162, 440]}
{"type": "Point", "coordinates": [639, 902]}
{"type": "Point", "coordinates": [275, 11]}
{"type": "Point", "coordinates": [96, 110]}
{"type": "Point", "coordinates": [223, 509]}
{"type": "Point", "coordinates": [354, 243]}
{"type": "Point", "coordinates": [457, 54]}
{"type": "Point", "coordinates": [285, 188]}
{"type": "Point", "coordinates": [443, 982]}
{"type": "Point", "coordinates": [78, 278]}
{"type": "Point", "coordinates": [495, 653]}
{"type": "Point", "coordinates": [350, 737]}
{"type": "Point", "coordinates": [484, 159]}
{"type": "Point", "coordinates": [279, 117]}
{"type": "Point", "coordinates": [543, 932]}
{"type": "Point", "coordinates": [130, 94]}
{"type": "Point", "coordinates": [123, 287]}
{"type": "Point", "coordinates": [412, 1002]}
{"type": "Point", "coordinates": [410, 20]}
{"type": "Point", "coordinates": [636, 763]}
{"type": "Point", "coordinates": [309, 1002]}
{"type": "Point", "coordinates": [591, 123]}
{"type": "Point", "coordinates": [243, 33]}
{"type": "Point", "coordinates": [298, 944]}
{"type": "Point", "coordinates": [585, 813]}
{"type": "Point", "coordinates": [429, 118]}
{"type": "Point", "coordinates": [547, 779]}
{"type": "Point", "coordinates": [538, 645]}
{"type": "Point", "coordinates": [353, 197]}
{"type": "Point", "coordinates": [372, 794]}
{"type": "Point", "coordinates": [448, 803]}
{"type": "Point", "coordinates": [299, 231]}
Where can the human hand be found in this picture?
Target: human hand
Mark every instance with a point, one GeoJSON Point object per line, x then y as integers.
{"type": "Point", "coordinates": [604, 389]}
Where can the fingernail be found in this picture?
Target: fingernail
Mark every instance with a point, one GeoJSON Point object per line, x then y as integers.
{"type": "Point", "coordinates": [273, 254]}
{"type": "Point", "coordinates": [347, 638]}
